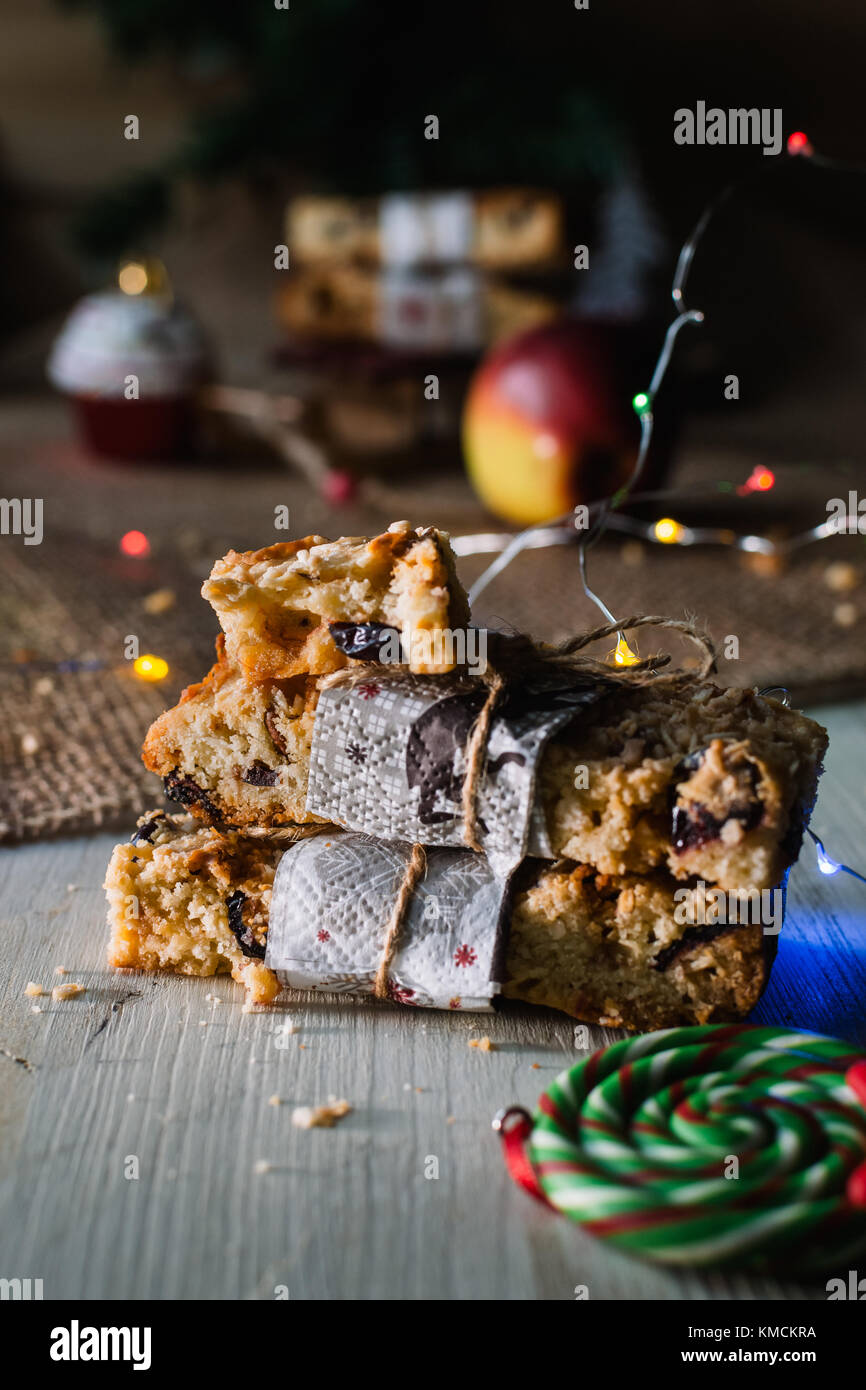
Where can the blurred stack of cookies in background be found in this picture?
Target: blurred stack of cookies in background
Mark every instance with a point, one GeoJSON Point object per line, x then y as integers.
{"type": "Point", "coordinates": [451, 272]}
{"type": "Point", "coordinates": [380, 293]}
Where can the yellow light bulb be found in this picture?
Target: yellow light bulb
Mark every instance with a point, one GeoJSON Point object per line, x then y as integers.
{"type": "Point", "coordinates": [623, 654]}
{"type": "Point", "coordinates": [132, 278]}
{"type": "Point", "coordinates": [151, 668]}
{"type": "Point", "coordinates": [667, 530]}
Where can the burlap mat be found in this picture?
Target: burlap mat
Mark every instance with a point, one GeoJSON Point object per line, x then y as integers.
{"type": "Point", "coordinates": [790, 626]}
{"type": "Point", "coordinates": [70, 736]}
{"type": "Point", "coordinates": [70, 733]}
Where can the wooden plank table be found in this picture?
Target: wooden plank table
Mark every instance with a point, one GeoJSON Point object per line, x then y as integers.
{"type": "Point", "coordinates": [149, 1069]}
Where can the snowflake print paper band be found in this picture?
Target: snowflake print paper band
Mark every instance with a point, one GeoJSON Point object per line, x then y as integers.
{"type": "Point", "coordinates": [388, 759]}
{"type": "Point", "coordinates": [724, 1146]}
{"type": "Point", "coordinates": [331, 901]}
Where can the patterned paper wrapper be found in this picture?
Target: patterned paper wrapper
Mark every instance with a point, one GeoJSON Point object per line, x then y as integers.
{"type": "Point", "coordinates": [388, 759]}
{"type": "Point", "coordinates": [332, 899]}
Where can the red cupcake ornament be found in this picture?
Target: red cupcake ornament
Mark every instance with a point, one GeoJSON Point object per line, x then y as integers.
{"type": "Point", "coordinates": [131, 361]}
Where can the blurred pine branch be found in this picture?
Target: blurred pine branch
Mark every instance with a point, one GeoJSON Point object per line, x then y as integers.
{"type": "Point", "coordinates": [333, 93]}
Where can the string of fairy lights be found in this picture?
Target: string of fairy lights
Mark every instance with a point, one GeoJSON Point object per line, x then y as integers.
{"type": "Point", "coordinates": [667, 530]}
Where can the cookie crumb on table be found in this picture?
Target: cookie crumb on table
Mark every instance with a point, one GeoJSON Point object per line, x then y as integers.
{"type": "Point", "coordinates": [69, 991]}
{"type": "Point", "coordinates": [320, 1116]}
{"type": "Point", "coordinates": [845, 614]}
{"type": "Point", "coordinates": [840, 576]}
{"type": "Point", "coordinates": [483, 1044]}
{"type": "Point", "coordinates": [160, 601]}
{"type": "Point", "coordinates": [33, 989]}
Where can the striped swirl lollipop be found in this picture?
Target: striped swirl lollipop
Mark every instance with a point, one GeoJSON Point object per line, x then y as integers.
{"type": "Point", "coordinates": [724, 1146]}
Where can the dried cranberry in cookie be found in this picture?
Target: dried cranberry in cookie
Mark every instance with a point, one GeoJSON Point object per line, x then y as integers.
{"type": "Point", "coordinates": [258, 774]}
{"type": "Point", "coordinates": [147, 827]}
{"type": "Point", "coordinates": [363, 641]}
{"type": "Point", "coordinates": [188, 793]}
{"type": "Point", "coordinates": [716, 796]}
{"type": "Point", "coordinates": [242, 933]}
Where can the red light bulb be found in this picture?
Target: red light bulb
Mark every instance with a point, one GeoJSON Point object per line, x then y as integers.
{"type": "Point", "coordinates": [339, 487]}
{"type": "Point", "coordinates": [135, 543]}
{"type": "Point", "coordinates": [799, 143]}
{"type": "Point", "coordinates": [759, 480]}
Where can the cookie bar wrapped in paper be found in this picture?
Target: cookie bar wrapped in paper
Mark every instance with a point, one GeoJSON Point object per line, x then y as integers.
{"type": "Point", "coordinates": [277, 606]}
{"type": "Point", "coordinates": [617, 950]}
{"type": "Point", "coordinates": [696, 780]}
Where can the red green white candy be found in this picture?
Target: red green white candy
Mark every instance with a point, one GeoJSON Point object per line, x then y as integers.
{"type": "Point", "coordinates": [635, 1144]}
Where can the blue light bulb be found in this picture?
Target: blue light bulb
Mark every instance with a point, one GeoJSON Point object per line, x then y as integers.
{"type": "Point", "coordinates": [826, 863]}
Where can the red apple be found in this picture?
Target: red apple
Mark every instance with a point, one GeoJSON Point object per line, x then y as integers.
{"type": "Point", "coordinates": [546, 424]}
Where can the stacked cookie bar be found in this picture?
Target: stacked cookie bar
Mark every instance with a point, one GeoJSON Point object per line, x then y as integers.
{"type": "Point", "coordinates": [411, 270]}
{"type": "Point", "coordinates": [645, 792]}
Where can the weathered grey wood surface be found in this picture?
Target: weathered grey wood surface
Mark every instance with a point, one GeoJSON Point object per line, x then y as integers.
{"type": "Point", "coordinates": [148, 1067]}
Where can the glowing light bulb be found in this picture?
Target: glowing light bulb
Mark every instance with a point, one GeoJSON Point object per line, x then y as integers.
{"type": "Point", "coordinates": [799, 143]}
{"type": "Point", "coordinates": [826, 863]}
{"type": "Point", "coordinates": [145, 277]}
{"type": "Point", "coordinates": [151, 668]}
{"type": "Point", "coordinates": [759, 480]}
{"type": "Point", "coordinates": [667, 530]}
{"type": "Point", "coordinates": [132, 278]}
{"type": "Point", "coordinates": [135, 543]}
{"type": "Point", "coordinates": [623, 654]}
{"type": "Point", "coordinates": [641, 403]}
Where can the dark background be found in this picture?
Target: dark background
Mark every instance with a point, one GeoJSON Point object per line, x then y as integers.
{"type": "Point", "coordinates": [239, 104]}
